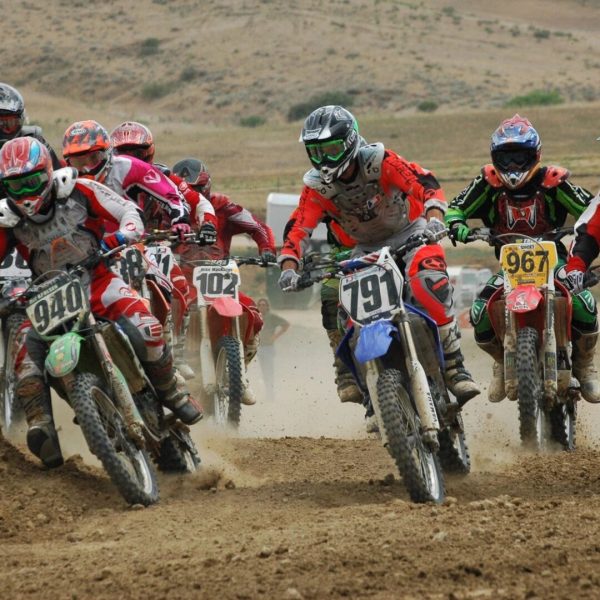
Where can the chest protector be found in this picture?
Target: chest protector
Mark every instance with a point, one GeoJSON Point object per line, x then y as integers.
{"type": "Point", "coordinates": [363, 210]}
{"type": "Point", "coordinates": [62, 239]}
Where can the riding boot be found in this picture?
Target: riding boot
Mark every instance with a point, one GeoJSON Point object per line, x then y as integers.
{"type": "Point", "coordinates": [496, 391]}
{"type": "Point", "coordinates": [179, 350]}
{"type": "Point", "coordinates": [347, 389]}
{"type": "Point", "coordinates": [458, 380]}
{"type": "Point", "coordinates": [42, 439]}
{"type": "Point", "coordinates": [171, 389]}
{"type": "Point", "coordinates": [584, 370]}
{"type": "Point", "coordinates": [250, 350]}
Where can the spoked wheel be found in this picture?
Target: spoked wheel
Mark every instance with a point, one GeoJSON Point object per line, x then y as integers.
{"type": "Point", "coordinates": [229, 371]}
{"type": "Point", "coordinates": [454, 453]}
{"type": "Point", "coordinates": [533, 420]}
{"type": "Point", "coordinates": [178, 453]}
{"type": "Point", "coordinates": [129, 468]}
{"type": "Point", "coordinates": [563, 420]}
{"type": "Point", "coordinates": [11, 413]}
{"type": "Point", "coordinates": [417, 463]}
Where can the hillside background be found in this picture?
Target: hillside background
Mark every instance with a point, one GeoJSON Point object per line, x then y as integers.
{"type": "Point", "coordinates": [218, 79]}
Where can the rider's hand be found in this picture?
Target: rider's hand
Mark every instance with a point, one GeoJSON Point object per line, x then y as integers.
{"type": "Point", "coordinates": [574, 281]}
{"type": "Point", "coordinates": [434, 229]}
{"type": "Point", "coordinates": [181, 229]}
{"type": "Point", "coordinates": [208, 234]}
{"type": "Point", "coordinates": [459, 232]}
{"type": "Point", "coordinates": [112, 241]}
{"type": "Point", "coordinates": [268, 257]}
{"type": "Point", "coordinates": [288, 280]}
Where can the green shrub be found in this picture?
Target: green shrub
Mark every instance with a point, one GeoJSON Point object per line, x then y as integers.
{"type": "Point", "coordinates": [149, 47]}
{"type": "Point", "coordinates": [303, 109]}
{"type": "Point", "coordinates": [427, 106]}
{"type": "Point", "coordinates": [155, 90]}
{"type": "Point", "coordinates": [536, 98]}
{"type": "Point", "coordinates": [252, 121]}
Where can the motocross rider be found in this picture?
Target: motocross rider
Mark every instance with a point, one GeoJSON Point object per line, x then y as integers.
{"type": "Point", "coordinates": [232, 219]}
{"type": "Point", "coordinates": [378, 198]}
{"type": "Point", "coordinates": [135, 139]}
{"type": "Point", "coordinates": [515, 194]}
{"type": "Point", "coordinates": [56, 219]}
{"type": "Point", "coordinates": [12, 123]}
{"type": "Point", "coordinates": [86, 146]}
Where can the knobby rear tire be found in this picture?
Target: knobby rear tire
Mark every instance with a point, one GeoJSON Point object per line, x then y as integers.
{"type": "Point", "coordinates": [11, 412]}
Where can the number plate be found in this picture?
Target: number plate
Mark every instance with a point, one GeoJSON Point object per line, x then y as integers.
{"type": "Point", "coordinates": [528, 263]}
{"type": "Point", "coordinates": [163, 257]}
{"type": "Point", "coordinates": [14, 266]}
{"type": "Point", "coordinates": [62, 300]}
{"type": "Point", "coordinates": [213, 280]}
{"type": "Point", "coordinates": [130, 266]}
{"type": "Point", "coordinates": [373, 293]}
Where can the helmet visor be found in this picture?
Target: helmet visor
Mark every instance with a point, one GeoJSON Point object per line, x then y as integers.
{"type": "Point", "coordinates": [514, 160]}
{"type": "Point", "coordinates": [30, 185]}
{"type": "Point", "coordinates": [10, 124]}
{"type": "Point", "coordinates": [331, 151]}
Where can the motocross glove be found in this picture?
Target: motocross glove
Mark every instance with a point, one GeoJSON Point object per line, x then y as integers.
{"type": "Point", "coordinates": [181, 229]}
{"type": "Point", "coordinates": [208, 234]}
{"type": "Point", "coordinates": [433, 230]}
{"type": "Point", "coordinates": [574, 281]}
{"type": "Point", "coordinates": [268, 257]}
{"type": "Point", "coordinates": [112, 241]}
{"type": "Point", "coordinates": [459, 232]}
{"type": "Point", "coordinates": [288, 280]}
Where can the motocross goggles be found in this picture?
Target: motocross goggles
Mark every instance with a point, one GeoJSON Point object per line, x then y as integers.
{"type": "Point", "coordinates": [140, 152]}
{"type": "Point", "coordinates": [10, 125]}
{"type": "Point", "coordinates": [514, 160]}
{"type": "Point", "coordinates": [88, 163]}
{"type": "Point", "coordinates": [331, 151]}
{"type": "Point", "coordinates": [29, 185]}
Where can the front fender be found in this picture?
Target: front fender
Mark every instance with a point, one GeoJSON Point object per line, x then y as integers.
{"type": "Point", "coordinates": [63, 354]}
{"type": "Point", "coordinates": [374, 340]}
{"type": "Point", "coordinates": [524, 298]}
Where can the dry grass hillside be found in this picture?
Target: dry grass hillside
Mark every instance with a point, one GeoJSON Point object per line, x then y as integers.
{"type": "Point", "coordinates": [192, 70]}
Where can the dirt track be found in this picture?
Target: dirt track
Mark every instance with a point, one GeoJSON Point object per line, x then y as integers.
{"type": "Point", "coordinates": [309, 517]}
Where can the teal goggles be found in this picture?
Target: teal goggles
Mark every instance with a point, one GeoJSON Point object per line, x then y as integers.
{"type": "Point", "coordinates": [331, 151]}
{"type": "Point", "coordinates": [28, 185]}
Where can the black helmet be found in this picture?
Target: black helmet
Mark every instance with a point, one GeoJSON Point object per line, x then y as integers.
{"type": "Point", "coordinates": [195, 172]}
{"type": "Point", "coordinates": [330, 135]}
{"type": "Point", "coordinates": [12, 112]}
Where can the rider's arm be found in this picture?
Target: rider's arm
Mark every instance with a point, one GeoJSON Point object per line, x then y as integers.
{"type": "Point", "coordinates": [309, 214]}
{"type": "Point", "coordinates": [423, 190]}
{"type": "Point", "coordinates": [105, 204]}
{"type": "Point", "coordinates": [470, 203]}
{"type": "Point", "coordinates": [153, 181]}
{"type": "Point", "coordinates": [201, 210]}
{"type": "Point", "coordinates": [587, 240]}
{"type": "Point", "coordinates": [573, 197]}
{"type": "Point", "coordinates": [241, 220]}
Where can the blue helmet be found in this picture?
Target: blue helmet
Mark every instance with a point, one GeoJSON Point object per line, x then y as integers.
{"type": "Point", "coordinates": [516, 150]}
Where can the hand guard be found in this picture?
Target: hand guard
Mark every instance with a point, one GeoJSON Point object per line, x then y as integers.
{"type": "Point", "coordinates": [574, 281]}
{"type": "Point", "coordinates": [112, 241]}
{"type": "Point", "coordinates": [181, 229]}
{"type": "Point", "coordinates": [433, 230]}
{"type": "Point", "coordinates": [459, 232]}
{"type": "Point", "coordinates": [288, 280]}
{"type": "Point", "coordinates": [208, 234]}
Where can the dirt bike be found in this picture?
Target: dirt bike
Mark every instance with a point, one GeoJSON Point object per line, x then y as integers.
{"type": "Point", "coordinates": [531, 316]}
{"type": "Point", "coordinates": [92, 365]}
{"type": "Point", "coordinates": [15, 277]}
{"type": "Point", "coordinates": [220, 327]}
{"type": "Point", "coordinates": [394, 352]}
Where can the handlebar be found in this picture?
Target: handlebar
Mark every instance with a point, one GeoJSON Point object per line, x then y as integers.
{"type": "Point", "coordinates": [488, 235]}
{"type": "Point", "coordinates": [166, 235]}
